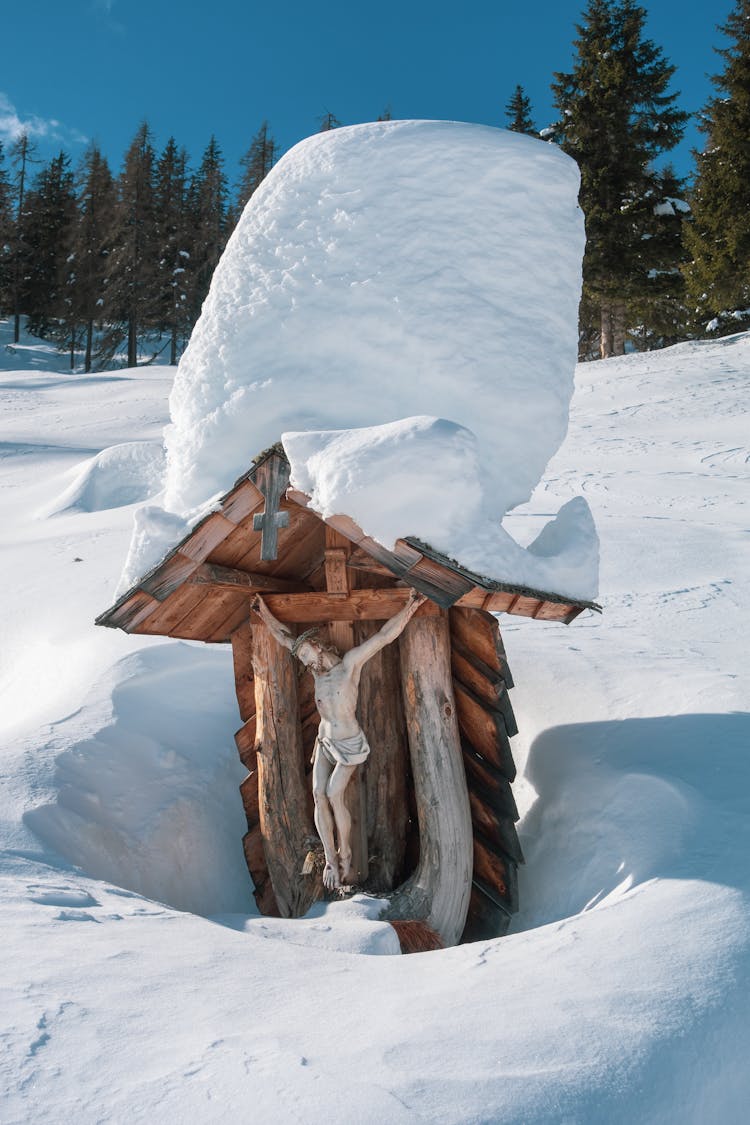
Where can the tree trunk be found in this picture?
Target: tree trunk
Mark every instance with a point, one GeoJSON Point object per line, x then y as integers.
{"type": "Point", "coordinates": [132, 344]}
{"type": "Point", "coordinates": [89, 342]}
{"type": "Point", "coordinates": [613, 328]}
{"type": "Point", "coordinates": [285, 823]}
{"type": "Point", "coordinates": [439, 890]}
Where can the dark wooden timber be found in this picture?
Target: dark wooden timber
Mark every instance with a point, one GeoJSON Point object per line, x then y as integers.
{"type": "Point", "coordinates": [285, 825]}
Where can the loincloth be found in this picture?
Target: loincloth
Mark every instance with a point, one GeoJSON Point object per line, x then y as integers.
{"type": "Point", "coordinates": [344, 751]}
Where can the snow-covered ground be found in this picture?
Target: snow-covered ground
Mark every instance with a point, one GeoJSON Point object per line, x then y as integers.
{"type": "Point", "coordinates": [138, 984]}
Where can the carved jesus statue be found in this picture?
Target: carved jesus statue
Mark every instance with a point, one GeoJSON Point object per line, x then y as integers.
{"type": "Point", "coordinates": [341, 745]}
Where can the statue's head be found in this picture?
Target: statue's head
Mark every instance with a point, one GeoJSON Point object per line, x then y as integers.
{"type": "Point", "coordinates": [315, 652]}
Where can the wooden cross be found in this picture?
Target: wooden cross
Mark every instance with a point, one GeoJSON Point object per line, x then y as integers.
{"type": "Point", "coordinates": [271, 480]}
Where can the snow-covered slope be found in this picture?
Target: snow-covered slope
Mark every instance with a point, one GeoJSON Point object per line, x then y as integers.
{"type": "Point", "coordinates": [137, 983]}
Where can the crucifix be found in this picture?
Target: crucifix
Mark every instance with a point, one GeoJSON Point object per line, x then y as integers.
{"type": "Point", "coordinates": [271, 481]}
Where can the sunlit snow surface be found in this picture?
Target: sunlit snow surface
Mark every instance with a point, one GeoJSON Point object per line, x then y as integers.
{"type": "Point", "coordinates": [621, 996]}
{"type": "Point", "coordinates": [400, 301]}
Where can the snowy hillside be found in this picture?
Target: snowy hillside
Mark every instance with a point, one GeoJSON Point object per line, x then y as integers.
{"type": "Point", "coordinates": [138, 983]}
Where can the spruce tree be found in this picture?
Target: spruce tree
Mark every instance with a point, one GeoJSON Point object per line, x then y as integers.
{"type": "Point", "coordinates": [47, 224]}
{"type": "Point", "coordinates": [175, 239]}
{"type": "Point", "coordinates": [256, 164]}
{"type": "Point", "coordinates": [22, 155]}
{"type": "Point", "coordinates": [131, 290]}
{"type": "Point", "coordinates": [718, 240]}
{"type": "Point", "coordinates": [208, 217]}
{"type": "Point", "coordinates": [616, 118]}
{"type": "Point", "coordinates": [518, 112]}
{"type": "Point", "coordinates": [6, 235]}
{"type": "Point", "coordinates": [87, 261]}
{"type": "Point", "coordinates": [328, 121]}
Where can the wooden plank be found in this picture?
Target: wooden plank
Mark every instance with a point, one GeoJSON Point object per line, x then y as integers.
{"type": "Point", "coordinates": [232, 550]}
{"type": "Point", "coordinates": [484, 728]}
{"type": "Point", "coordinates": [475, 598]}
{"type": "Point", "coordinates": [478, 631]}
{"type": "Point", "coordinates": [486, 683]}
{"type": "Point", "coordinates": [524, 606]}
{"type": "Point", "coordinates": [265, 899]}
{"type": "Point", "coordinates": [130, 614]}
{"type": "Point", "coordinates": [486, 919]}
{"type": "Point", "coordinates": [347, 527]}
{"type": "Point", "coordinates": [381, 716]}
{"type": "Point", "coordinates": [486, 781]}
{"type": "Point", "coordinates": [360, 560]}
{"type": "Point", "coordinates": [206, 536]}
{"type": "Point", "coordinates": [245, 740]}
{"type": "Point", "coordinates": [556, 611]}
{"type": "Point", "coordinates": [499, 830]}
{"type": "Point", "coordinates": [241, 502]}
{"type": "Point", "coordinates": [360, 605]}
{"type": "Point", "coordinates": [230, 578]}
{"type": "Point", "coordinates": [209, 615]}
{"type": "Point", "coordinates": [249, 793]}
{"type": "Point", "coordinates": [175, 570]}
{"type": "Point", "coordinates": [242, 658]}
{"type": "Point", "coordinates": [499, 601]}
{"type": "Point", "coordinates": [168, 614]}
{"type": "Point", "coordinates": [440, 583]}
{"type": "Point", "coordinates": [495, 874]}
{"type": "Point", "coordinates": [285, 823]}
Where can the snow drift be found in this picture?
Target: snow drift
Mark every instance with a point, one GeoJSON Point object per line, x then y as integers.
{"type": "Point", "coordinates": [415, 273]}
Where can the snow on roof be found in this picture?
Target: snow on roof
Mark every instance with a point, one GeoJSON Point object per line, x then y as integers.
{"type": "Point", "coordinates": [414, 284]}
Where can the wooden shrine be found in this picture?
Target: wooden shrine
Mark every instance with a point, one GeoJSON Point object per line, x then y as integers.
{"type": "Point", "coordinates": [433, 812]}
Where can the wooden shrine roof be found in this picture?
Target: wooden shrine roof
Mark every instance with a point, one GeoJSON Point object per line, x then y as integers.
{"type": "Point", "coordinates": [202, 588]}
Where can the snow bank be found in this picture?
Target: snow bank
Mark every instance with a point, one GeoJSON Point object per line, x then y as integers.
{"type": "Point", "coordinates": [620, 996]}
{"type": "Point", "coordinates": [386, 272]}
{"type": "Point", "coordinates": [422, 476]}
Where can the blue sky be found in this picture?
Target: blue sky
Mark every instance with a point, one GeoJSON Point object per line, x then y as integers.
{"type": "Point", "coordinates": [93, 69]}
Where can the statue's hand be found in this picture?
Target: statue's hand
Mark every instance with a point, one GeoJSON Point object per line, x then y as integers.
{"type": "Point", "coordinates": [257, 604]}
{"type": "Point", "coordinates": [416, 599]}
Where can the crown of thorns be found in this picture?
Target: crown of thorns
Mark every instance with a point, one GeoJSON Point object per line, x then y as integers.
{"type": "Point", "coordinates": [308, 635]}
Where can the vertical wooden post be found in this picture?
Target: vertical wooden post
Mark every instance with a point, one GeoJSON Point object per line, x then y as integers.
{"type": "Point", "coordinates": [380, 714]}
{"type": "Point", "coordinates": [285, 823]}
{"type": "Point", "coordinates": [439, 890]}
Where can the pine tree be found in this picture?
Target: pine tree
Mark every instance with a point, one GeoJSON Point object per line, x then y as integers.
{"type": "Point", "coordinates": [47, 224]}
{"type": "Point", "coordinates": [256, 164]}
{"type": "Point", "coordinates": [718, 240]}
{"type": "Point", "coordinates": [616, 118]}
{"type": "Point", "coordinates": [208, 216]}
{"type": "Point", "coordinates": [87, 261]}
{"type": "Point", "coordinates": [6, 235]}
{"type": "Point", "coordinates": [518, 112]}
{"type": "Point", "coordinates": [132, 284]}
{"type": "Point", "coordinates": [659, 310]}
{"type": "Point", "coordinates": [175, 246]}
{"type": "Point", "coordinates": [328, 121]}
{"type": "Point", "coordinates": [22, 156]}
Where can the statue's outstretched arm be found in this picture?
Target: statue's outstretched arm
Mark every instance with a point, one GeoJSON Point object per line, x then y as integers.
{"type": "Point", "coordinates": [278, 630]}
{"type": "Point", "coordinates": [392, 629]}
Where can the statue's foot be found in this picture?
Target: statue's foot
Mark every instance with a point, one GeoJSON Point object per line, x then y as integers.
{"type": "Point", "coordinates": [345, 863]}
{"type": "Point", "coordinates": [331, 877]}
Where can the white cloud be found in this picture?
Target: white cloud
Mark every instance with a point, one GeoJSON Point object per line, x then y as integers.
{"type": "Point", "coordinates": [12, 124]}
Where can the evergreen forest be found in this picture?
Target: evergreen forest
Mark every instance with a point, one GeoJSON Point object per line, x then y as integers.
{"type": "Point", "coordinates": [113, 265]}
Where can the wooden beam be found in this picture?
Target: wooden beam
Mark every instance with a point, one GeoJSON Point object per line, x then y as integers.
{"type": "Point", "coordinates": [230, 578]}
{"type": "Point", "coordinates": [358, 605]}
{"type": "Point", "coordinates": [285, 823]}
{"type": "Point", "coordinates": [438, 891]}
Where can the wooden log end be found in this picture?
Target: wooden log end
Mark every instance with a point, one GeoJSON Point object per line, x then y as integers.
{"type": "Point", "coordinates": [416, 937]}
